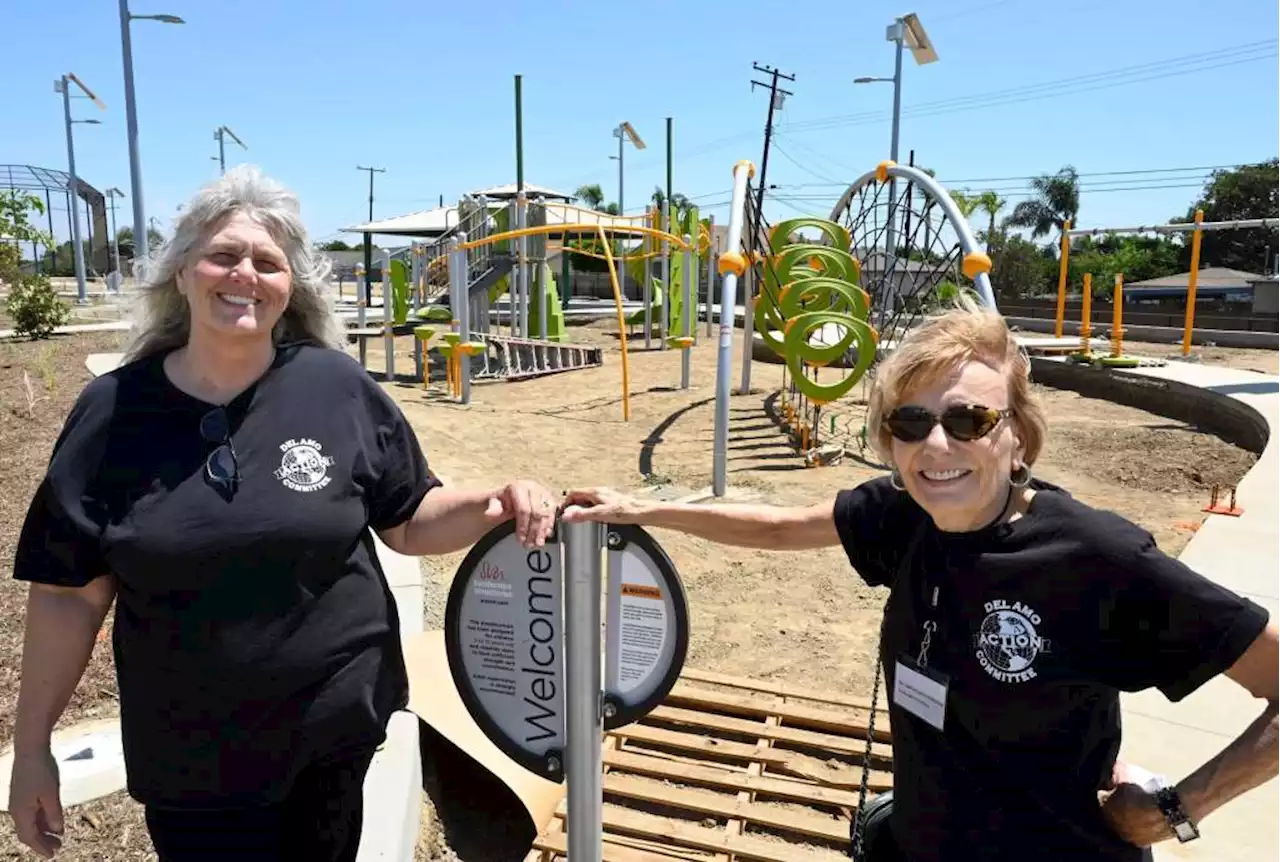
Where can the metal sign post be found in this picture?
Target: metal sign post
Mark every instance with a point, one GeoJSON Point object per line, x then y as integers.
{"type": "Point", "coordinates": [585, 708]}
{"type": "Point", "coordinates": [524, 639]}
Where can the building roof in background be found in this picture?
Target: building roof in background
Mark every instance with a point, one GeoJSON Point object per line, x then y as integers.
{"type": "Point", "coordinates": [530, 191]}
{"type": "Point", "coordinates": [1210, 276]}
{"type": "Point", "coordinates": [425, 223]}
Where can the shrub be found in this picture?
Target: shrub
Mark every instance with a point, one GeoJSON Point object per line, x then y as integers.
{"type": "Point", "coordinates": [35, 307]}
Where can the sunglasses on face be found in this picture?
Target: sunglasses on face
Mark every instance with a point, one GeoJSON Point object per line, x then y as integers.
{"type": "Point", "coordinates": [222, 467]}
{"type": "Point", "coordinates": [962, 422]}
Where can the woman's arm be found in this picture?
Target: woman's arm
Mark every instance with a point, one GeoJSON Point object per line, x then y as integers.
{"type": "Point", "coordinates": [747, 525]}
{"type": "Point", "coordinates": [61, 628]}
{"type": "Point", "coordinates": [1251, 759]}
{"type": "Point", "coordinates": [450, 519]}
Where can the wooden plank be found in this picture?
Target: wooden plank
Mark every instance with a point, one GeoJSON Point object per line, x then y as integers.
{"type": "Point", "coordinates": [737, 825]}
{"type": "Point", "coordinates": [801, 823]}
{"type": "Point", "coordinates": [557, 845]}
{"type": "Point", "coordinates": [742, 846]}
{"type": "Point", "coordinates": [880, 752]}
{"type": "Point", "coordinates": [843, 721]}
{"type": "Point", "coordinates": [776, 758]}
{"type": "Point", "coordinates": [706, 745]}
{"type": "Point", "coordinates": [778, 688]}
{"type": "Point", "coordinates": [710, 776]}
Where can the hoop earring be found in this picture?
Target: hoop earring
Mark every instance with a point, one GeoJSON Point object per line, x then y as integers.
{"type": "Point", "coordinates": [1021, 476]}
{"type": "Point", "coordinates": [895, 479]}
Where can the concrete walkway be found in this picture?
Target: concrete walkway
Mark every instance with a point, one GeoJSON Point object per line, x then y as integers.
{"type": "Point", "coordinates": [1240, 553]}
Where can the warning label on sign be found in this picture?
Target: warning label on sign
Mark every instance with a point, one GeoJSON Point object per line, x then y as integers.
{"type": "Point", "coordinates": [642, 591]}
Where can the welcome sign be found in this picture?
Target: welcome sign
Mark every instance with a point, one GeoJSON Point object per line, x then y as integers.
{"type": "Point", "coordinates": [504, 637]}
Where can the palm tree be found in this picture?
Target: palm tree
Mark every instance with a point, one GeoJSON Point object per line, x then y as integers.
{"type": "Point", "coordinates": [1057, 199]}
{"type": "Point", "coordinates": [591, 196]}
{"type": "Point", "coordinates": [965, 202]}
{"type": "Point", "coordinates": [991, 203]}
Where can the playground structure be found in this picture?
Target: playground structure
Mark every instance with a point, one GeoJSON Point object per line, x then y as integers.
{"type": "Point", "coordinates": [454, 288]}
{"type": "Point", "coordinates": [882, 261]}
{"type": "Point", "coordinates": [1196, 228]}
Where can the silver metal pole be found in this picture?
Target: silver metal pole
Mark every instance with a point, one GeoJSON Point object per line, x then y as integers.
{"type": "Point", "coordinates": [361, 341]}
{"type": "Point", "coordinates": [464, 319]}
{"type": "Point", "coordinates": [522, 264]}
{"type": "Point", "coordinates": [666, 275]}
{"type": "Point", "coordinates": [646, 279]}
{"type": "Point", "coordinates": [889, 294]}
{"type": "Point", "coordinates": [724, 356]}
{"type": "Point", "coordinates": [388, 338]}
{"type": "Point", "coordinates": [73, 191]}
{"type": "Point", "coordinates": [711, 267]}
{"type": "Point", "coordinates": [115, 243]}
{"type": "Point", "coordinates": [748, 322]}
{"type": "Point", "coordinates": [686, 317]}
{"type": "Point", "coordinates": [622, 241]}
{"type": "Point", "coordinates": [583, 716]}
{"type": "Point", "coordinates": [541, 280]}
{"type": "Point", "coordinates": [141, 248]}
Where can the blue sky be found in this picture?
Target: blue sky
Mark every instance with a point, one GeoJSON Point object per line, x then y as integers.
{"type": "Point", "coordinates": [426, 91]}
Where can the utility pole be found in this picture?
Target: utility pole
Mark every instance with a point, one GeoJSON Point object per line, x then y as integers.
{"type": "Point", "coordinates": [368, 238]}
{"type": "Point", "coordinates": [222, 152]}
{"type": "Point", "coordinates": [776, 97]}
{"type": "Point", "coordinates": [774, 102]}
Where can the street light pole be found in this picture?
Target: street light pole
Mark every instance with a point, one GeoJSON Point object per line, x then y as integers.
{"type": "Point", "coordinates": [114, 193]}
{"type": "Point", "coordinates": [140, 246]}
{"type": "Point", "coordinates": [74, 191]}
{"type": "Point", "coordinates": [63, 85]}
{"type": "Point", "coordinates": [135, 162]}
{"type": "Point", "coordinates": [905, 31]}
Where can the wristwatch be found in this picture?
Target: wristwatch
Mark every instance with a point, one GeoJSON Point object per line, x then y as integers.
{"type": "Point", "coordinates": [1170, 803]}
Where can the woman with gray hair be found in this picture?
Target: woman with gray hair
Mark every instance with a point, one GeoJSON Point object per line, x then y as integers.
{"type": "Point", "coordinates": [1015, 616]}
{"type": "Point", "coordinates": [222, 487]}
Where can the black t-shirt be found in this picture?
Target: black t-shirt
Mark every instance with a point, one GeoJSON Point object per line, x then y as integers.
{"type": "Point", "coordinates": [1041, 622]}
{"type": "Point", "coordinates": [255, 631]}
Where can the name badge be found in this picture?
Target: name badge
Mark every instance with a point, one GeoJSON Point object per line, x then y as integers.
{"type": "Point", "coordinates": [921, 691]}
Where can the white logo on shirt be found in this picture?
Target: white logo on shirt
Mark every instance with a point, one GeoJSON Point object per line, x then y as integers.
{"type": "Point", "coordinates": [1007, 642]}
{"type": "Point", "coordinates": [303, 468]}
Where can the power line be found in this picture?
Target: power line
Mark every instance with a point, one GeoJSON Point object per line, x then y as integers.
{"type": "Point", "coordinates": [1236, 55]}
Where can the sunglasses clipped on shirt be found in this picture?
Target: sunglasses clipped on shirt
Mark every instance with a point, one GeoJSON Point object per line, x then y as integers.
{"type": "Point", "coordinates": [221, 466]}
{"type": "Point", "coordinates": [966, 423]}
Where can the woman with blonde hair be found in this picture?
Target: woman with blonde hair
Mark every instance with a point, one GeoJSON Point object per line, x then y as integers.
{"type": "Point", "coordinates": [1016, 615]}
{"type": "Point", "coordinates": [222, 488]}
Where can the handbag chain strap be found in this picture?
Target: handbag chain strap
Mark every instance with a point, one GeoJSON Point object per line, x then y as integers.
{"type": "Point", "coordinates": [859, 827]}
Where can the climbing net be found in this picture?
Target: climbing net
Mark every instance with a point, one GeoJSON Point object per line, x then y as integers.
{"type": "Point", "coordinates": [828, 305]}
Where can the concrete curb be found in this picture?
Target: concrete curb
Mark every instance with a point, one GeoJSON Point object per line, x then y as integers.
{"type": "Point", "coordinates": [393, 785]}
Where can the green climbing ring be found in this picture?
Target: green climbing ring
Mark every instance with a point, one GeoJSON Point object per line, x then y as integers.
{"type": "Point", "coordinates": [780, 237]}
{"type": "Point", "coordinates": [797, 338]}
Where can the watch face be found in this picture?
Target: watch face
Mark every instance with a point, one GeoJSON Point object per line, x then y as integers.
{"type": "Point", "coordinates": [1185, 831]}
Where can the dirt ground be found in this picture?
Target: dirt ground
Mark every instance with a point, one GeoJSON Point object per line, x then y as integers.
{"type": "Point", "coordinates": [802, 618]}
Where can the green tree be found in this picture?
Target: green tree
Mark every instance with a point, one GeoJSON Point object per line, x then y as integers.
{"type": "Point", "coordinates": [16, 228]}
{"type": "Point", "coordinates": [591, 196]}
{"type": "Point", "coordinates": [991, 204]}
{"type": "Point", "coordinates": [1138, 258]}
{"type": "Point", "coordinates": [966, 203]}
{"type": "Point", "coordinates": [336, 245]}
{"type": "Point", "coordinates": [1247, 192]}
{"type": "Point", "coordinates": [33, 303]}
{"type": "Point", "coordinates": [124, 240]}
{"type": "Point", "coordinates": [1056, 199]}
{"type": "Point", "coordinates": [1020, 267]}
